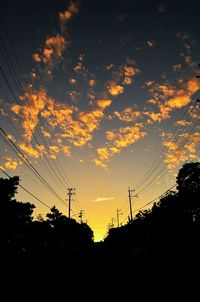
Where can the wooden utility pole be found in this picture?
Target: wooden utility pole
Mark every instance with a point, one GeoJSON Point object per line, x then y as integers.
{"type": "Point", "coordinates": [71, 191]}
{"type": "Point", "coordinates": [113, 222]}
{"type": "Point", "coordinates": [130, 192]}
{"type": "Point", "coordinates": [118, 213]}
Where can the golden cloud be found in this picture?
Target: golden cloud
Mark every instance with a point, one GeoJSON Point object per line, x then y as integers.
{"type": "Point", "coordinates": [11, 137]}
{"type": "Point", "coordinates": [100, 164]}
{"type": "Point", "coordinates": [66, 150]}
{"type": "Point", "coordinates": [11, 163]}
{"type": "Point", "coordinates": [170, 145]}
{"type": "Point", "coordinates": [56, 45]}
{"type": "Point", "coordinates": [179, 101]}
{"type": "Point", "coordinates": [103, 153]}
{"type": "Point", "coordinates": [129, 72]}
{"type": "Point", "coordinates": [29, 150]}
{"type": "Point", "coordinates": [176, 155]}
{"type": "Point", "coordinates": [35, 103]}
{"type": "Point", "coordinates": [166, 98]}
{"type": "Point", "coordinates": [118, 140]}
{"type": "Point", "coordinates": [54, 149]}
{"type": "Point", "coordinates": [104, 103]}
{"type": "Point", "coordinates": [45, 133]}
{"type": "Point", "coordinates": [183, 123]}
{"type": "Point", "coordinates": [126, 136]}
{"type": "Point", "coordinates": [114, 89]}
{"type": "Point", "coordinates": [159, 116]}
{"type": "Point", "coordinates": [91, 119]}
{"type": "Point", "coordinates": [53, 48]}
{"type": "Point", "coordinates": [128, 115]}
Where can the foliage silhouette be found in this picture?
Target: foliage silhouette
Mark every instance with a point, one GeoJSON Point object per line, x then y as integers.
{"type": "Point", "coordinates": [154, 257]}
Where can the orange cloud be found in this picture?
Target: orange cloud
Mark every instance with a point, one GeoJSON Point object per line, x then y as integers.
{"type": "Point", "coordinates": [66, 150]}
{"type": "Point", "coordinates": [170, 145]}
{"type": "Point", "coordinates": [35, 103]}
{"type": "Point", "coordinates": [167, 98]}
{"type": "Point", "coordinates": [117, 140]}
{"type": "Point", "coordinates": [53, 49]}
{"type": "Point", "coordinates": [45, 133]}
{"type": "Point", "coordinates": [55, 149]}
{"type": "Point", "coordinates": [11, 163]}
{"type": "Point", "coordinates": [37, 57]}
{"type": "Point", "coordinates": [128, 115]}
{"type": "Point", "coordinates": [115, 89]}
{"type": "Point", "coordinates": [176, 155]}
{"type": "Point", "coordinates": [129, 72]}
{"type": "Point", "coordinates": [48, 53]}
{"type": "Point", "coordinates": [159, 116]}
{"type": "Point", "coordinates": [29, 150]}
{"type": "Point", "coordinates": [104, 103]}
{"type": "Point", "coordinates": [56, 45]}
{"type": "Point", "coordinates": [11, 137]}
{"type": "Point", "coordinates": [72, 10]}
{"type": "Point", "coordinates": [183, 123]}
{"type": "Point", "coordinates": [91, 119]}
{"type": "Point", "coordinates": [180, 100]}
{"type": "Point", "coordinates": [103, 153]}
{"type": "Point", "coordinates": [100, 164]}
{"type": "Point", "coordinates": [74, 126]}
{"type": "Point", "coordinates": [125, 136]}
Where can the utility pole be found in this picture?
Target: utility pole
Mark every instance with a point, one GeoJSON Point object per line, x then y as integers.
{"type": "Point", "coordinates": [113, 222]}
{"type": "Point", "coordinates": [81, 215]}
{"type": "Point", "coordinates": [118, 213]}
{"type": "Point", "coordinates": [130, 192]}
{"type": "Point", "coordinates": [71, 191]}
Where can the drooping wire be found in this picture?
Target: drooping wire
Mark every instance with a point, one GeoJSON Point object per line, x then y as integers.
{"type": "Point", "coordinates": [27, 162]}
{"type": "Point", "coordinates": [21, 89]}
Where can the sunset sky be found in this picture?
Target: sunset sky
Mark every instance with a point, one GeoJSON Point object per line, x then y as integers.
{"type": "Point", "coordinates": [108, 89]}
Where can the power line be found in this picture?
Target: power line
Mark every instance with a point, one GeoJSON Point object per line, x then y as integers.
{"type": "Point", "coordinates": [20, 88]}
{"type": "Point", "coordinates": [154, 199]}
{"type": "Point", "coordinates": [183, 143]}
{"type": "Point", "coordinates": [163, 153]}
{"type": "Point", "coordinates": [28, 163]}
{"type": "Point", "coordinates": [150, 202]}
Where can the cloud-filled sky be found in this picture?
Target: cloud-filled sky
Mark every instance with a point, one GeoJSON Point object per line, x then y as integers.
{"type": "Point", "coordinates": [104, 90]}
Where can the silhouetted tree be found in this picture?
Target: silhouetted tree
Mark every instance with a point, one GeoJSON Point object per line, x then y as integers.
{"type": "Point", "coordinates": [8, 188]}
{"type": "Point", "coordinates": [13, 215]}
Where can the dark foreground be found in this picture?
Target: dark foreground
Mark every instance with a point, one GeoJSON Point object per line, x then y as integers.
{"type": "Point", "coordinates": [156, 257]}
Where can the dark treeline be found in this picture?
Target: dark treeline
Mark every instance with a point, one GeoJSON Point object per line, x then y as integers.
{"type": "Point", "coordinates": [155, 257]}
